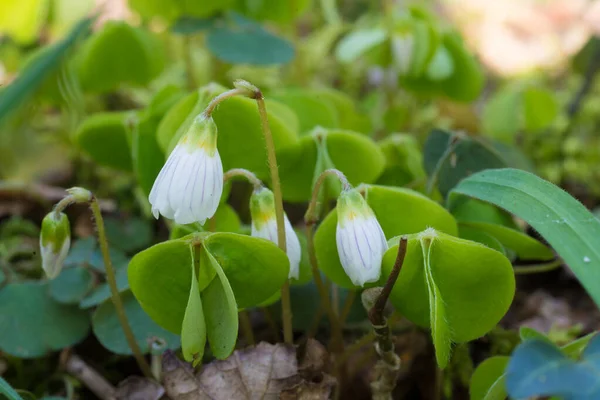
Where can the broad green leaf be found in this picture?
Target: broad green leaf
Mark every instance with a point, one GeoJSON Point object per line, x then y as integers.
{"type": "Point", "coordinates": [473, 210]}
{"type": "Point", "coordinates": [220, 311]}
{"type": "Point", "coordinates": [479, 236]}
{"type": "Point", "coordinates": [128, 234]}
{"type": "Point", "coordinates": [273, 10]}
{"type": "Point", "coordinates": [224, 220]}
{"type": "Point", "coordinates": [305, 275]}
{"type": "Point", "coordinates": [403, 160]}
{"type": "Point", "coordinates": [539, 368]}
{"type": "Point", "coordinates": [105, 138]}
{"type": "Point", "coordinates": [8, 391]}
{"type": "Point", "coordinates": [117, 258]}
{"type": "Point", "coordinates": [32, 324]}
{"type": "Point", "coordinates": [487, 382]}
{"type": "Point", "coordinates": [526, 247]}
{"type": "Point", "coordinates": [460, 288]}
{"type": "Point", "coordinates": [448, 158]}
{"type": "Point", "coordinates": [193, 328]}
{"type": "Point", "coordinates": [171, 9]}
{"type": "Point", "coordinates": [389, 205]}
{"type": "Point", "coordinates": [240, 141]}
{"type": "Point", "coordinates": [30, 79]}
{"type": "Point", "coordinates": [119, 54]}
{"type": "Point", "coordinates": [467, 80]}
{"type": "Point", "coordinates": [501, 117]}
{"type": "Point", "coordinates": [102, 292]}
{"type": "Point", "coordinates": [540, 108]}
{"type": "Point", "coordinates": [441, 65]}
{"type": "Point", "coordinates": [357, 43]}
{"type": "Point", "coordinates": [160, 276]}
{"type": "Point", "coordinates": [256, 268]}
{"type": "Point", "coordinates": [241, 41]}
{"type": "Point", "coordinates": [71, 285]}
{"type": "Point", "coordinates": [108, 331]}
{"type": "Point", "coordinates": [348, 115]}
{"type": "Point", "coordinates": [186, 25]}
{"type": "Point", "coordinates": [356, 155]}
{"type": "Point", "coordinates": [22, 20]}
{"type": "Point", "coordinates": [564, 222]}
{"type": "Point", "coordinates": [311, 110]}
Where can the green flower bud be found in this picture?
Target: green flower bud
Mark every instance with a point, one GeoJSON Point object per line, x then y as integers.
{"type": "Point", "coordinates": [80, 194]}
{"type": "Point", "coordinates": [55, 240]}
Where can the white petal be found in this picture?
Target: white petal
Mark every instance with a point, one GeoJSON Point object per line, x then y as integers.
{"type": "Point", "coordinates": [181, 178]}
{"type": "Point", "coordinates": [52, 262]}
{"type": "Point", "coordinates": [360, 248]}
{"type": "Point", "coordinates": [293, 249]}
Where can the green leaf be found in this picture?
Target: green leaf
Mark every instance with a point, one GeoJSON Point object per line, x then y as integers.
{"type": "Point", "coordinates": [448, 158]}
{"type": "Point", "coordinates": [473, 210]}
{"type": "Point", "coordinates": [501, 114]}
{"type": "Point", "coordinates": [187, 25]}
{"type": "Point", "coordinates": [128, 234]}
{"type": "Point", "coordinates": [119, 54]}
{"type": "Point", "coordinates": [356, 155]}
{"type": "Point", "coordinates": [526, 247]}
{"type": "Point", "coordinates": [193, 327]}
{"type": "Point", "coordinates": [160, 276]}
{"type": "Point", "coordinates": [8, 391]}
{"type": "Point", "coordinates": [403, 160]}
{"type": "Point", "coordinates": [487, 382]}
{"type": "Point", "coordinates": [105, 137]}
{"type": "Point", "coordinates": [564, 222]}
{"type": "Point", "coordinates": [171, 9]}
{"type": "Point", "coordinates": [23, 20]}
{"type": "Point", "coordinates": [71, 285]}
{"type": "Point", "coordinates": [388, 204]}
{"type": "Point", "coordinates": [32, 324]}
{"type": "Point", "coordinates": [311, 110]}
{"type": "Point", "coordinates": [460, 288]}
{"type": "Point", "coordinates": [241, 41]}
{"type": "Point", "coordinates": [273, 10]}
{"type": "Point", "coordinates": [256, 268]}
{"type": "Point", "coordinates": [357, 43]}
{"type": "Point", "coordinates": [220, 311]}
{"type": "Point", "coordinates": [467, 81]}
{"type": "Point", "coordinates": [107, 327]}
{"type": "Point", "coordinates": [540, 108]}
{"type": "Point", "coordinates": [441, 65]}
{"type": "Point", "coordinates": [476, 235]}
{"type": "Point", "coordinates": [240, 141]}
{"type": "Point", "coordinates": [102, 292]}
{"type": "Point", "coordinates": [31, 78]}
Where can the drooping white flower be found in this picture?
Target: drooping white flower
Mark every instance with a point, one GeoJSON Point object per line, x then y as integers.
{"type": "Point", "coordinates": [55, 240]}
{"type": "Point", "coordinates": [360, 239]}
{"type": "Point", "coordinates": [190, 184]}
{"type": "Point", "coordinates": [264, 225]}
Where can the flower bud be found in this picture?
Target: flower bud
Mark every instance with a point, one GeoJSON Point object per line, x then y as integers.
{"type": "Point", "coordinates": [190, 184]}
{"type": "Point", "coordinates": [55, 240]}
{"type": "Point", "coordinates": [79, 194]}
{"type": "Point", "coordinates": [360, 239]}
{"type": "Point", "coordinates": [264, 225]}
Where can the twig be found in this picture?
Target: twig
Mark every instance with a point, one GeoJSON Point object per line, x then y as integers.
{"type": "Point", "coordinates": [387, 368]}
{"type": "Point", "coordinates": [90, 378]}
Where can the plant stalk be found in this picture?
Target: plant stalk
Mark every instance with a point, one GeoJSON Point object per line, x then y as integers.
{"type": "Point", "coordinates": [243, 173]}
{"type": "Point", "coordinates": [114, 291]}
{"type": "Point", "coordinates": [210, 108]}
{"type": "Point", "coordinates": [387, 368]}
{"type": "Point", "coordinates": [255, 93]}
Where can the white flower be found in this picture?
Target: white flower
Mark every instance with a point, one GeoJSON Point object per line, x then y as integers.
{"type": "Point", "coordinates": [264, 225]}
{"type": "Point", "coordinates": [189, 186]}
{"type": "Point", "coordinates": [402, 51]}
{"type": "Point", "coordinates": [360, 239]}
{"type": "Point", "coordinates": [55, 240]}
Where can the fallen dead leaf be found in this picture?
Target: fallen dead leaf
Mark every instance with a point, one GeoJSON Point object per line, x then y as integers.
{"type": "Point", "coordinates": [138, 388]}
{"type": "Point", "coordinates": [259, 372]}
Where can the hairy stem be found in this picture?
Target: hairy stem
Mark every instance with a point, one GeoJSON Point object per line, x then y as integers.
{"type": "Point", "coordinates": [311, 215]}
{"type": "Point", "coordinates": [243, 173]}
{"type": "Point", "coordinates": [114, 291]}
{"type": "Point", "coordinates": [388, 366]}
{"type": "Point", "coordinates": [538, 268]}
{"type": "Point", "coordinates": [219, 99]}
{"type": "Point", "coordinates": [253, 92]}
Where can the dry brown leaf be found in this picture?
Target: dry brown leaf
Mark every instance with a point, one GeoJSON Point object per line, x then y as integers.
{"type": "Point", "coordinates": [138, 388]}
{"type": "Point", "coordinates": [259, 372]}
